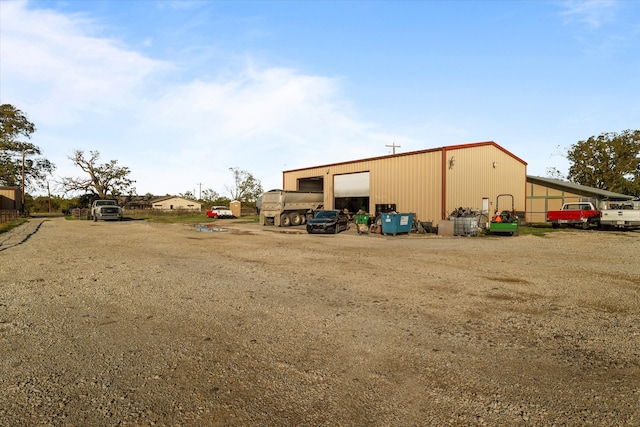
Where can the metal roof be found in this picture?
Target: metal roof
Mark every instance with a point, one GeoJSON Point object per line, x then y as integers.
{"type": "Point", "coordinates": [577, 188]}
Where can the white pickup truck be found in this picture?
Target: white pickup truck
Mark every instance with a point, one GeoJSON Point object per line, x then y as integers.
{"type": "Point", "coordinates": [623, 214]}
{"type": "Point", "coordinates": [105, 209]}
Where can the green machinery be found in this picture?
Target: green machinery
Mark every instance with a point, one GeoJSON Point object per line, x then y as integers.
{"type": "Point", "coordinates": [505, 221]}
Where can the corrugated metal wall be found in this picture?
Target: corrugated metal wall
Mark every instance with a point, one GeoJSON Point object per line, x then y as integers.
{"type": "Point", "coordinates": [483, 171]}
{"type": "Point", "coordinates": [414, 181]}
{"type": "Point", "coordinates": [11, 198]}
{"type": "Point", "coordinates": [542, 199]}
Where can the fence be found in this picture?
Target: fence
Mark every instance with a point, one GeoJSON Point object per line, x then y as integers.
{"type": "Point", "coordinates": [6, 216]}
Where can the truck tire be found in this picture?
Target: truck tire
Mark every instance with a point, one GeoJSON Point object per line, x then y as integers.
{"type": "Point", "coordinates": [586, 225]}
{"type": "Point", "coordinates": [285, 220]}
{"type": "Point", "coordinates": [295, 218]}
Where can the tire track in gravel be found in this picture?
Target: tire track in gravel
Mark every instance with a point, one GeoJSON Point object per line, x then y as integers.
{"type": "Point", "coordinates": [20, 234]}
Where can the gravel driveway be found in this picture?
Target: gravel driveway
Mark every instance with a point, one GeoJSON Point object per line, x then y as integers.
{"type": "Point", "coordinates": [136, 323]}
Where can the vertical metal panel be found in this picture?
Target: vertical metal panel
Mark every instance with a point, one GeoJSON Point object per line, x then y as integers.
{"type": "Point", "coordinates": [542, 199]}
{"type": "Point", "coordinates": [483, 171]}
{"type": "Point", "coordinates": [413, 183]}
{"type": "Point", "coordinates": [11, 198]}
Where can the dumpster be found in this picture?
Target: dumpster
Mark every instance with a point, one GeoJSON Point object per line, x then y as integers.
{"type": "Point", "coordinates": [396, 223]}
{"type": "Point", "coordinates": [362, 223]}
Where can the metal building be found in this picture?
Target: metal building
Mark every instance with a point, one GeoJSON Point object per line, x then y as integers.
{"type": "Point", "coordinates": [548, 194]}
{"type": "Point", "coordinates": [429, 183]}
{"type": "Point", "coordinates": [10, 199]}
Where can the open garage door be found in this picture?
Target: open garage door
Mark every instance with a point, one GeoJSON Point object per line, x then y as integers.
{"type": "Point", "coordinates": [351, 191]}
{"type": "Point", "coordinates": [313, 184]}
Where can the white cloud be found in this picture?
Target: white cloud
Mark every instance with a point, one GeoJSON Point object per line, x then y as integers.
{"type": "Point", "coordinates": [594, 13]}
{"type": "Point", "coordinates": [51, 63]}
{"type": "Point", "coordinates": [89, 92]}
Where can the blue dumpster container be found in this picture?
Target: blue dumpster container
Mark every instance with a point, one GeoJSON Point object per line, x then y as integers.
{"type": "Point", "coordinates": [396, 223]}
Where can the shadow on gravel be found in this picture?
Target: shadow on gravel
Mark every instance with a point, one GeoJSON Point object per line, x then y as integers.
{"type": "Point", "coordinates": [19, 235]}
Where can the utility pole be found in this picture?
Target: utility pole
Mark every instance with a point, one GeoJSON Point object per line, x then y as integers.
{"type": "Point", "coordinates": [393, 146]}
{"type": "Point", "coordinates": [200, 187]}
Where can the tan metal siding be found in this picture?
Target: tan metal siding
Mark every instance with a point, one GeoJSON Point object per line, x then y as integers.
{"type": "Point", "coordinates": [537, 203]}
{"type": "Point", "coordinates": [414, 181]}
{"type": "Point", "coordinates": [542, 199]}
{"type": "Point", "coordinates": [483, 171]}
{"type": "Point", "coordinates": [11, 198]}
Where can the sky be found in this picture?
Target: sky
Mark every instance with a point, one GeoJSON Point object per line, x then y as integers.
{"type": "Point", "coordinates": [181, 91]}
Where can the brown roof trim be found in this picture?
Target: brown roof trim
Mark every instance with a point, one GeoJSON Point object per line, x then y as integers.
{"type": "Point", "coordinates": [479, 144]}
{"type": "Point", "coordinates": [412, 153]}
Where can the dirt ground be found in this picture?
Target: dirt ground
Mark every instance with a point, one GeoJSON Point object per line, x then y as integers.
{"type": "Point", "coordinates": [136, 323]}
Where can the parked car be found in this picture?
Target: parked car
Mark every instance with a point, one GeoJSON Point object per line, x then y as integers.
{"type": "Point", "coordinates": [328, 221]}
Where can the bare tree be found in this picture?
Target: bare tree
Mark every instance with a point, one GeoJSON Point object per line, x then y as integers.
{"type": "Point", "coordinates": [245, 187]}
{"type": "Point", "coordinates": [104, 180]}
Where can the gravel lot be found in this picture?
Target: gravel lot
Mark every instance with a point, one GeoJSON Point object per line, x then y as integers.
{"type": "Point", "coordinates": [135, 323]}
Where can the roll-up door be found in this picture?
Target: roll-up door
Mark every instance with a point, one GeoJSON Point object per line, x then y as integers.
{"type": "Point", "coordinates": [351, 185]}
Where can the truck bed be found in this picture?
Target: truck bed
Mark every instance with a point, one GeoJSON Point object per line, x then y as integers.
{"type": "Point", "coordinates": [621, 218]}
{"type": "Point", "coordinates": [574, 214]}
{"type": "Point", "coordinates": [571, 215]}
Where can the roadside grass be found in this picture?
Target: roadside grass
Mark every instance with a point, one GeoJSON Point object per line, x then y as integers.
{"type": "Point", "coordinates": [539, 230]}
{"type": "Point", "coordinates": [544, 229]}
{"type": "Point", "coordinates": [6, 226]}
{"type": "Point", "coordinates": [536, 230]}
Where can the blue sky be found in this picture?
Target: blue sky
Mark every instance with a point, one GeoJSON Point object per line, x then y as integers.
{"type": "Point", "coordinates": [181, 91]}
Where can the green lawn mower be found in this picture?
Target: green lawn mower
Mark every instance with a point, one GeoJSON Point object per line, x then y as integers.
{"type": "Point", "coordinates": [505, 221]}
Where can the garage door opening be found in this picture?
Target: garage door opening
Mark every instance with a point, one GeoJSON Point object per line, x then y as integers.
{"type": "Point", "coordinates": [352, 204]}
{"type": "Point", "coordinates": [351, 191]}
{"type": "Point", "coordinates": [314, 184]}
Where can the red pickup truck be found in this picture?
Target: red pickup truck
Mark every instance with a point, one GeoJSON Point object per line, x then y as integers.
{"type": "Point", "coordinates": [575, 214]}
{"type": "Point", "coordinates": [220, 212]}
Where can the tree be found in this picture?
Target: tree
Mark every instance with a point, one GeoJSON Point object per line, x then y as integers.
{"type": "Point", "coordinates": [187, 195]}
{"type": "Point", "coordinates": [104, 180]}
{"type": "Point", "coordinates": [553, 172]}
{"type": "Point", "coordinates": [210, 196]}
{"type": "Point", "coordinates": [610, 161]}
{"type": "Point", "coordinates": [245, 187]}
{"type": "Point", "coordinates": [20, 160]}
